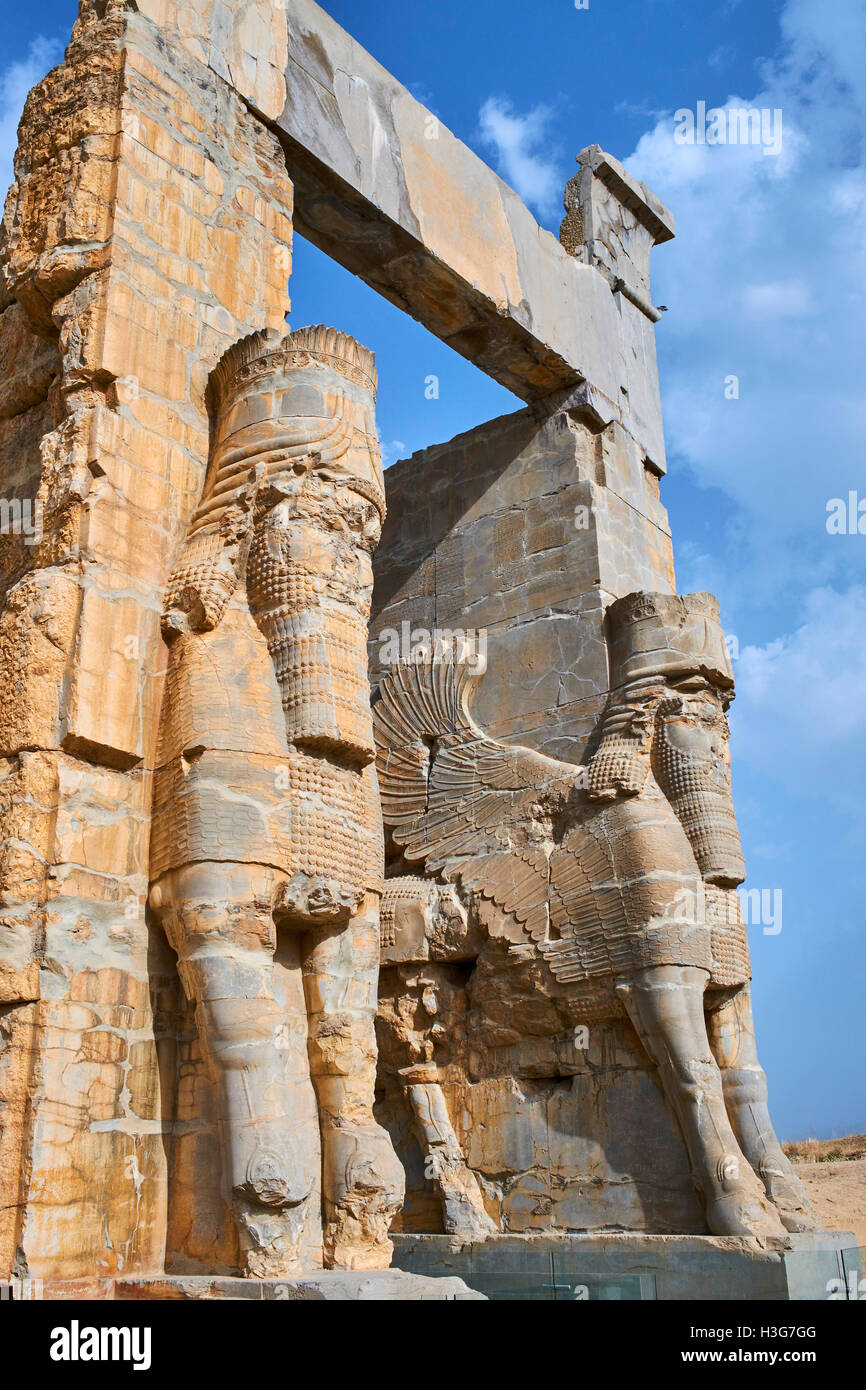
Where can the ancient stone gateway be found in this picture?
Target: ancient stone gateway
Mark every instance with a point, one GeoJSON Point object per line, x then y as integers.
{"type": "Point", "coordinates": [211, 840]}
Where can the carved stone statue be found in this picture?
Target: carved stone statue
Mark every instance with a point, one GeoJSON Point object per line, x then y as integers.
{"type": "Point", "coordinates": [267, 846]}
{"type": "Point", "coordinates": [230, 1039]}
{"type": "Point", "coordinates": [616, 880]}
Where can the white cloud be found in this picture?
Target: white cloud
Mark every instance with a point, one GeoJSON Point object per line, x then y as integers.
{"type": "Point", "coordinates": [15, 82]}
{"type": "Point", "coordinates": [393, 452]}
{"type": "Point", "coordinates": [781, 299]}
{"type": "Point", "coordinates": [644, 108]}
{"type": "Point", "coordinates": [767, 281]}
{"type": "Point", "coordinates": [800, 712]}
{"type": "Point", "coordinates": [722, 56]}
{"type": "Point", "coordinates": [523, 155]}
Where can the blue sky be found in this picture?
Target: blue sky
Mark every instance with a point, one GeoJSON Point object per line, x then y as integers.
{"type": "Point", "coordinates": [766, 281]}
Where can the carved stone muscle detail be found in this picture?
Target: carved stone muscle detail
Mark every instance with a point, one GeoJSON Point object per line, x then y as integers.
{"type": "Point", "coordinates": [266, 808]}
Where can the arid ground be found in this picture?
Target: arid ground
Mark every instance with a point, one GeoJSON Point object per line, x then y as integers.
{"type": "Point", "coordinates": [834, 1171]}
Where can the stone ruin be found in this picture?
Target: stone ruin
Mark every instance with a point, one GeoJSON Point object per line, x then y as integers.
{"type": "Point", "coordinates": [286, 978]}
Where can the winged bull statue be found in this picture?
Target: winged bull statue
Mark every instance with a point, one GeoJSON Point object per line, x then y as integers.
{"type": "Point", "coordinates": [618, 876]}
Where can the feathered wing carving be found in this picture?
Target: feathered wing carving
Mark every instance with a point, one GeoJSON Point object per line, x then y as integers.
{"type": "Point", "coordinates": [589, 911]}
{"type": "Point", "coordinates": [472, 808]}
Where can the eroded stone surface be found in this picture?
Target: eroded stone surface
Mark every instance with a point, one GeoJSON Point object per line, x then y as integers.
{"type": "Point", "coordinates": [191, 837]}
{"type": "Point", "coordinates": [393, 195]}
{"type": "Point", "coordinates": [266, 807]}
{"type": "Point", "coordinates": [590, 894]}
{"type": "Point", "coordinates": [147, 230]}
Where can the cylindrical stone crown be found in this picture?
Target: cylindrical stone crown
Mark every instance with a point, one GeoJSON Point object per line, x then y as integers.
{"type": "Point", "coordinates": [278, 403]}
{"type": "Point", "coordinates": [667, 635]}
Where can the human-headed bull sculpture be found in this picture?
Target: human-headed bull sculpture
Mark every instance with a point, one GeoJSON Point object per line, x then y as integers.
{"type": "Point", "coordinates": [620, 876]}
{"type": "Point", "coordinates": [266, 812]}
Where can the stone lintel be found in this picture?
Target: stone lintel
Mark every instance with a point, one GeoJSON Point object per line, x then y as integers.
{"type": "Point", "coordinates": [388, 191]}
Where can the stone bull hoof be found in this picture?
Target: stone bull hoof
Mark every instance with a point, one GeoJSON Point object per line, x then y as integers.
{"type": "Point", "coordinates": [788, 1196]}
{"type": "Point", "coordinates": [744, 1211]}
{"type": "Point", "coordinates": [269, 1240]}
{"type": "Point", "coordinates": [364, 1189]}
{"type": "Point", "coordinates": [270, 1209]}
{"type": "Point", "coordinates": [270, 1182]}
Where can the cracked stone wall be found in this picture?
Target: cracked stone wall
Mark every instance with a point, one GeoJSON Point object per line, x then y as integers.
{"type": "Point", "coordinates": [149, 227]}
{"type": "Point", "coordinates": [527, 529]}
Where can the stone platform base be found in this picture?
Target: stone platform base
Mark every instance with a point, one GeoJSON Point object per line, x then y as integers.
{"type": "Point", "coordinates": [321, 1286]}
{"type": "Point", "coordinates": [629, 1267]}
{"type": "Point", "coordinates": [329, 1285]}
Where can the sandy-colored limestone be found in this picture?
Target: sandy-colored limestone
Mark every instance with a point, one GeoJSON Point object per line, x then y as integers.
{"type": "Point", "coordinates": [148, 229]}
{"type": "Point", "coordinates": [266, 809]}
{"type": "Point", "coordinates": [194, 899]}
{"type": "Point", "coordinates": [437, 232]}
{"type": "Point", "coordinates": [388, 191]}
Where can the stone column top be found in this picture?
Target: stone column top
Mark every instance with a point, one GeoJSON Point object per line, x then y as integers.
{"type": "Point", "coordinates": [639, 199]}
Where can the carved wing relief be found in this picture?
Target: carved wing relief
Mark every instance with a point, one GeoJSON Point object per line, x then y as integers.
{"type": "Point", "coordinates": [466, 806]}
{"type": "Point", "coordinates": [592, 883]}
